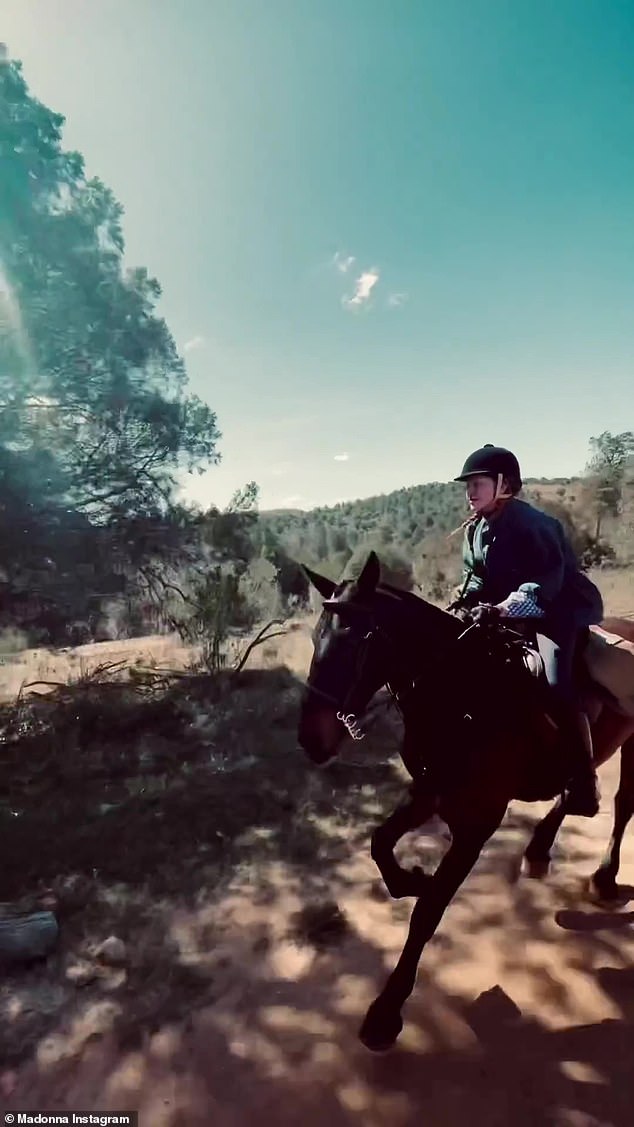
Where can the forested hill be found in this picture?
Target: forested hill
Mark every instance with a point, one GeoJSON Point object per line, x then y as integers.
{"type": "Point", "coordinates": [407, 515]}
{"type": "Point", "coordinates": [414, 524]}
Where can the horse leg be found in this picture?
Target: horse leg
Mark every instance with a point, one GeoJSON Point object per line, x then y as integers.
{"type": "Point", "coordinates": [607, 733]}
{"type": "Point", "coordinates": [537, 852]}
{"type": "Point", "coordinates": [383, 1021]}
{"type": "Point", "coordinates": [604, 880]}
{"type": "Point", "coordinates": [399, 881]}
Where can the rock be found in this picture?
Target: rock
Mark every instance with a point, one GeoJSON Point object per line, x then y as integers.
{"type": "Point", "coordinates": [81, 974]}
{"type": "Point", "coordinates": [112, 952]}
{"type": "Point", "coordinates": [111, 979]}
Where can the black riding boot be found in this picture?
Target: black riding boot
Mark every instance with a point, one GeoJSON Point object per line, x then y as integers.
{"type": "Point", "coordinates": [582, 795]}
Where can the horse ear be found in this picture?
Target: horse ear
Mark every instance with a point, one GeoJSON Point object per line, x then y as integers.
{"type": "Point", "coordinates": [325, 586]}
{"type": "Point", "coordinates": [370, 575]}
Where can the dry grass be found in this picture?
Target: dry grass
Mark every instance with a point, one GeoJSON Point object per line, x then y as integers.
{"type": "Point", "coordinates": [61, 666]}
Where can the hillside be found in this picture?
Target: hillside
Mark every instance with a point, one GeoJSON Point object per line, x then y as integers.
{"type": "Point", "coordinates": [412, 527]}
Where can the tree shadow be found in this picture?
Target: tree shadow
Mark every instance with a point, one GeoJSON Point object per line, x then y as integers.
{"type": "Point", "coordinates": [185, 781]}
{"type": "Point", "coordinates": [286, 1050]}
{"type": "Point", "coordinates": [202, 786]}
{"type": "Point", "coordinates": [520, 1072]}
{"type": "Point", "coordinates": [594, 921]}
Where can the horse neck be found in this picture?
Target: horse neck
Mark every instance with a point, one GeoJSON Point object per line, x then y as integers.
{"type": "Point", "coordinates": [416, 628]}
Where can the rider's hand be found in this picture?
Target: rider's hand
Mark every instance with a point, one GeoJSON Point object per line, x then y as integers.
{"type": "Point", "coordinates": [485, 614]}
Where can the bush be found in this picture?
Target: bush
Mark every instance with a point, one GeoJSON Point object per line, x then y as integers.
{"type": "Point", "coordinates": [216, 604]}
{"type": "Point", "coordinates": [12, 641]}
{"type": "Point", "coordinates": [260, 591]}
{"type": "Point", "coordinates": [396, 568]}
{"type": "Point", "coordinates": [595, 553]}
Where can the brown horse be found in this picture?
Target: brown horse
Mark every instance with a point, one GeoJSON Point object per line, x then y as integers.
{"type": "Point", "coordinates": [477, 734]}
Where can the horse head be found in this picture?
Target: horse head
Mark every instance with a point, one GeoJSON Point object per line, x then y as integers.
{"type": "Point", "coordinates": [369, 634]}
{"type": "Point", "coordinates": [346, 670]}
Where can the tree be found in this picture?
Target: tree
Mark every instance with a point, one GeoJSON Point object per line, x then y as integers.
{"type": "Point", "coordinates": [337, 541]}
{"type": "Point", "coordinates": [611, 454]}
{"type": "Point", "coordinates": [396, 567]}
{"type": "Point", "coordinates": [289, 576]}
{"type": "Point", "coordinates": [231, 534]}
{"type": "Point", "coordinates": [88, 370]}
{"type": "Point", "coordinates": [320, 540]}
{"type": "Point", "coordinates": [96, 422]}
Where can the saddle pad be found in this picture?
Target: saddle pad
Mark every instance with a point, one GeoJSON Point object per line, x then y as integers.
{"type": "Point", "coordinates": [609, 660]}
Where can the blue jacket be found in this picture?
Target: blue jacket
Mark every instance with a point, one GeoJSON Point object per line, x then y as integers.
{"type": "Point", "coordinates": [525, 545]}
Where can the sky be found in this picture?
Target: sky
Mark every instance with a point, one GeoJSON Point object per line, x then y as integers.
{"type": "Point", "coordinates": [386, 232]}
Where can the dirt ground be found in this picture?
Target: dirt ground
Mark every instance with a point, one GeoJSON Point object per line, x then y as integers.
{"type": "Point", "coordinates": [255, 931]}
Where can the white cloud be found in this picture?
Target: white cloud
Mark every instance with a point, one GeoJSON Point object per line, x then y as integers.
{"type": "Point", "coordinates": [287, 502]}
{"type": "Point", "coordinates": [342, 457]}
{"type": "Point", "coordinates": [195, 342]}
{"type": "Point", "coordinates": [343, 262]}
{"type": "Point", "coordinates": [363, 287]}
{"type": "Point", "coordinates": [396, 299]}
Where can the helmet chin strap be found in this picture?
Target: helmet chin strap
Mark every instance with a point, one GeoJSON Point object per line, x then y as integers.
{"type": "Point", "coordinates": [500, 494]}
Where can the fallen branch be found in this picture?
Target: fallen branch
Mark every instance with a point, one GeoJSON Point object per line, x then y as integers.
{"type": "Point", "coordinates": [258, 640]}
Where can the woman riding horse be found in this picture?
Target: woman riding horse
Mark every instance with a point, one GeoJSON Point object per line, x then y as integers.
{"type": "Point", "coordinates": [518, 562]}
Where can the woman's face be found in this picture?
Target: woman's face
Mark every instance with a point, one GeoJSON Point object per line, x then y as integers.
{"type": "Point", "coordinates": [480, 492]}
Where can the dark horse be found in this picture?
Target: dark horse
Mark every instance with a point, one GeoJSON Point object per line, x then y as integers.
{"type": "Point", "coordinates": [477, 734]}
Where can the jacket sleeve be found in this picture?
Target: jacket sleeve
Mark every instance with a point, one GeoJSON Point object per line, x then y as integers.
{"type": "Point", "coordinates": [541, 560]}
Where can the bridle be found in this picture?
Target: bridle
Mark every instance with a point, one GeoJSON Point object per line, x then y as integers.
{"type": "Point", "coordinates": [397, 693]}
{"type": "Point", "coordinates": [349, 719]}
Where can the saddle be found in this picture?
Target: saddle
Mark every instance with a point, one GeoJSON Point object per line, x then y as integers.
{"type": "Point", "coordinates": [603, 662]}
{"type": "Point", "coordinates": [515, 652]}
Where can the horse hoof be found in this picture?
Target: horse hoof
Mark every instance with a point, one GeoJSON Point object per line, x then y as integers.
{"type": "Point", "coordinates": [535, 870]}
{"type": "Point", "coordinates": [380, 1029]}
{"type": "Point", "coordinates": [409, 882]}
{"type": "Point", "coordinates": [603, 889]}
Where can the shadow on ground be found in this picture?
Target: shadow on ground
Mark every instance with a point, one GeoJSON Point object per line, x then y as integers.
{"type": "Point", "coordinates": [284, 1050]}
{"type": "Point", "coordinates": [256, 933]}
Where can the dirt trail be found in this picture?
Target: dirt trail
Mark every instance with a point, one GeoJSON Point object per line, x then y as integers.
{"type": "Point", "coordinates": [522, 1014]}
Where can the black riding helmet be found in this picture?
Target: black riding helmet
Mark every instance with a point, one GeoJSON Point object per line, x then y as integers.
{"type": "Point", "coordinates": [491, 461]}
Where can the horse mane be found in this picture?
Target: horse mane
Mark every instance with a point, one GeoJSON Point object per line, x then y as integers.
{"type": "Point", "coordinates": [417, 604]}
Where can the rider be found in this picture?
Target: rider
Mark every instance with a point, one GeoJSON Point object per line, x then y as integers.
{"type": "Point", "coordinates": [518, 560]}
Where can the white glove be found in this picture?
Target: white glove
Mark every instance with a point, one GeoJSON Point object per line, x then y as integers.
{"type": "Point", "coordinates": [522, 603]}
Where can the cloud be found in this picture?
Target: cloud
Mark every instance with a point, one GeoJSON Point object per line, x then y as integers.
{"type": "Point", "coordinates": [396, 299]}
{"type": "Point", "coordinates": [342, 457]}
{"type": "Point", "coordinates": [363, 287]}
{"type": "Point", "coordinates": [287, 502]}
{"type": "Point", "coordinates": [195, 342]}
{"type": "Point", "coordinates": [342, 262]}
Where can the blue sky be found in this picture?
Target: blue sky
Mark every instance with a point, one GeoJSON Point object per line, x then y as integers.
{"type": "Point", "coordinates": [386, 233]}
